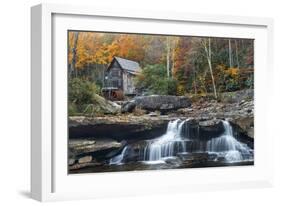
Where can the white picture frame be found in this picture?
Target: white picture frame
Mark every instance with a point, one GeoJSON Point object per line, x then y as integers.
{"type": "Point", "coordinates": [49, 178]}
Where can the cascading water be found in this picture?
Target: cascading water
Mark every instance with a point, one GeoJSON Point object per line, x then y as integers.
{"type": "Point", "coordinates": [168, 145]}
{"type": "Point", "coordinates": [227, 146]}
{"type": "Point", "coordinates": [118, 160]}
{"type": "Point", "coordinates": [173, 142]}
{"type": "Point", "coordinates": [181, 141]}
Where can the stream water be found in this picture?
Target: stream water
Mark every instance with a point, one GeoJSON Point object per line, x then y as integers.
{"type": "Point", "coordinates": [176, 149]}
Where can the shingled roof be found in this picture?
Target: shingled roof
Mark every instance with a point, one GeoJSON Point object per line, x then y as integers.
{"type": "Point", "coordinates": [129, 65]}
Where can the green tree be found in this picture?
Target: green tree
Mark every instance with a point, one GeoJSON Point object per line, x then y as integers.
{"type": "Point", "coordinates": [154, 80]}
{"type": "Point", "coordinates": [81, 91]}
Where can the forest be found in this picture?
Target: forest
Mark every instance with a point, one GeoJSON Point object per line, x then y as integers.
{"type": "Point", "coordinates": [144, 101]}
{"type": "Point", "coordinates": [174, 65]}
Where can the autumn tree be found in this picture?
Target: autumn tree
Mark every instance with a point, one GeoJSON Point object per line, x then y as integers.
{"type": "Point", "coordinates": [74, 37]}
{"type": "Point", "coordinates": [197, 64]}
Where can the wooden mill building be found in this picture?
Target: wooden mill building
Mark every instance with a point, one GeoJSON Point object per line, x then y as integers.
{"type": "Point", "coordinates": [119, 77]}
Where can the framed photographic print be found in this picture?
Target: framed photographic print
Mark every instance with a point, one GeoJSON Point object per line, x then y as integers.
{"type": "Point", "coordinates": [135, 102]}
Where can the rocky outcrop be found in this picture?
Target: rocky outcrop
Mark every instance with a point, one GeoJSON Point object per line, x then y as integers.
{"type": "Point", "coordinates": [205, 130]}
{"type": "Point", "coordinates": [91, 152]}
{"type": "Point", "coordinates": [163, 103]}
{"type": "Point", "coordinates": [238, 96]}
{"type": "Point", "coordinates": [123, 127]}
{"type": "Point", "coordinates": [94, 141]}
{"type": "Point", "coordinates": [209, 129]}
{"type": "Point", "coordinates": [83, 146]}
{"type": "Point", "coordinates": [245, 125]}
{"type": "Point", "coordinates": [240, 114]}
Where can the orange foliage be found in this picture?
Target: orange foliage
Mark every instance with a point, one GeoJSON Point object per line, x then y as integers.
{"type": "Point", "coordinates": [94, 48]}
{"type": "Point", "coordinates": [182, 60]}
{"type": "Point", "coordinates": [233, 72]}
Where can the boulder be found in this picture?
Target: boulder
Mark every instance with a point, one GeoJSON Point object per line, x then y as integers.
{"type": "Point", "coordinates": [100, 106]}
{"type": "Point", "coordinates": [163, 103]}
{"type": "Point", "coordinates": [128, 107]}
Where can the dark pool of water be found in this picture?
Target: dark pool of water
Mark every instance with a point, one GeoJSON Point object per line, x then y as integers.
{"type": "Point", "coordinates": [137, 166]}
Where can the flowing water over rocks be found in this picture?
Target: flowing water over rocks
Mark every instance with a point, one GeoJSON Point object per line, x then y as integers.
{"type": "Point", "coordinates": [168, 145]}
{"type": "Point", "coordinates": [181, 146]}
{"type": "Point", "coordinates": [176, 142]}
{"type": "Point", "coordinates": [206, 134]}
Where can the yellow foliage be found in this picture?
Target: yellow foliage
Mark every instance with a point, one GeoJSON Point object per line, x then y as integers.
{"type": "Point", "coordinates": [95, 48]}
{"type": "Point", "coordinates": [180, 90]}
{"type": "Point", "coordinates": [233, 72]}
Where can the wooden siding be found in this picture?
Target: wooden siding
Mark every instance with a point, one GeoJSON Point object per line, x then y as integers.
{"type": "Point", "coordinates": [120, 78]}
{"type": "Point", "coordinates": [114, 76]}
{"type": "Point", "coordinates": [128, 84]}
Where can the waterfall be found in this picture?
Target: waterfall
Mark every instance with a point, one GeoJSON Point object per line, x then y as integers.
{"type": "Point", "coordinates": [173, 143]}
{"type": "Point", "coordinates": [227, 146]}
{"type": "Point", "coordinates": [180, 141]}
{"type": "Point", "coordinates": [168, 145]}
{"type": "Point", "coordinates": [118, 160]}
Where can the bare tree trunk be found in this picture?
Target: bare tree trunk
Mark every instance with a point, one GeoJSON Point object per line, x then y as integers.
{"type": "Point", "coordinates": [209, 60]}
{"type": "Point", "coordinates": [237, 59]}
{"type": "Point", "coordinates": [230, 53]}
{"type": "Point", "coordinates": [194, 81]}
{"type": "Point", "coordinates": [74, 55]}
{"type": "Point", "coordinates": [103, 76]}
{"type": "Point", "coordinates": [173, 54]}
{"type": "Point", "coordinates": [168, 57]}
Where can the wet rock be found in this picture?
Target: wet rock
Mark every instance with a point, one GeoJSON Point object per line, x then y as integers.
{"type": "Point", "coordinates": [195, 157]}
{"type": "Point", "coordinates": [244, 124]}
{"type": "Point", "coordinates": [210, 123]}
{"type": "Point", "coordinates": [83, 165]}
{"type": "Point", "coordinates": [85, 159]}
{"type": "Point", "coordinates": [210, 128]}
{"type": "Point", "coordinates": [244, 129]}
{"type": "Point", "coordinates": [202, 129]}
{"type": "Point", "coordinates": [153, 114]}
{"type": "Point", "coordinates": [173, 161]}
{"type": "Point", "coordinates": [118, 127]}
{"type": "Point", "coordinates": [71, 161]}
{"type": "Point", "coordinates": [82, 146]}
{"type": "Point", "coordinates": [118, 151]}
{"type": "Point", "coordinates": [82, 143]}
{"type": "Point", "coordinates": [131, 155]}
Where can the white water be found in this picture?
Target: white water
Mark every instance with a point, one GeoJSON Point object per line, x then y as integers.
{"type": "Point", "coordinates": [172, 143]}
{"type": "Point", "coordinates": [227, 146]}
{"type": "Point", "coordinates": [168, 144]}
{"type": "Point", "coordinates": [118, 160]}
